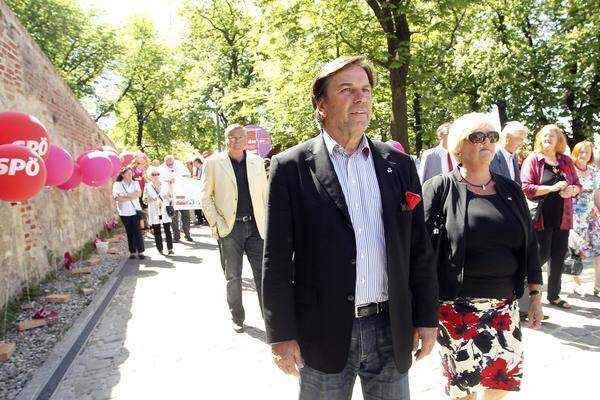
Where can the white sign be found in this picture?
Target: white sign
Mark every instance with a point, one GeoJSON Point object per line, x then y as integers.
{"type": "Point", "coordinates": [186, 194]}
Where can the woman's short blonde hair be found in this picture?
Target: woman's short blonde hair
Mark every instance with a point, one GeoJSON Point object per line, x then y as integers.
{"type": "Point", "coordinates": [151, 170]}
{"type": "Point", "coordinates": [577, 149]}
{"type": "Point", "coordinates": [463, 126]}
{"type": "Point", "coordinates": [561, 144]}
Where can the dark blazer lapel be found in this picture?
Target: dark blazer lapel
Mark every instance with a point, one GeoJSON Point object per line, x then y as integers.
{"type": "Point", "coordinates": [322, 168]}
{"type": "Point", "coordinates": [387, 179]}
{"type": "Point", "coordinates": [461, 216]}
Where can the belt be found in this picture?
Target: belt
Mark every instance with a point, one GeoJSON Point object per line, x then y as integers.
{"type": "Point", "coordinates": [245, 218]}
{"type": "Point", "coordinates": [370, 309]}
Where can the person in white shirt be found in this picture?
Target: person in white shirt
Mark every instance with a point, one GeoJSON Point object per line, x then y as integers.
{"type": "Point", "coordinates": [157, 196]}
{"type": "Point", "coordinates": [198, 169]}
{"type": "Point", "coordinates": [127, 192]}
{"type": "Point", "coordinates": [170, 170]}
{"type": "Point", "coordinates": [506, 161]}
{"type": "Point", "coordinates": [437, 160]}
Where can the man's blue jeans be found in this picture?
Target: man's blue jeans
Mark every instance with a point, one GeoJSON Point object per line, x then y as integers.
{"type": "Point", "coordinates": [371, 357]}
{"type": "Point", "coordinates": [243, 238]}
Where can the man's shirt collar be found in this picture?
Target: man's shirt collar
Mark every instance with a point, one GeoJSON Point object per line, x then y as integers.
{"type": "Point", "coordinates": [333, 146]}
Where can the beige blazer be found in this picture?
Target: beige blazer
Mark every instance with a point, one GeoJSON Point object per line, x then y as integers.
{"type": "Point", "coordinates": [219, 192]}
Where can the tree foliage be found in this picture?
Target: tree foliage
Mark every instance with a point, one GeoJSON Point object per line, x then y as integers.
{"type": "Point", "coordinates": [253, 61]}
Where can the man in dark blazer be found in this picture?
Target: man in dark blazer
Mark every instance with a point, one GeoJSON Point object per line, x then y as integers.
{"type": "Point", "coordinates": [506, 161]}
{"type": "Point", "coordinates": [349, 283]}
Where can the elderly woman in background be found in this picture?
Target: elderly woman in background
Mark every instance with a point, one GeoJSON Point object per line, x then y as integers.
{"type": "Point", "coordinates": [585, 236]}
{"type": "Point", "coordinates": [480, 224]}
{"type": "Point", "coordinates": [127, 193]}
{"type": "Point", "coordinates": [157, 196]}
{"type": "Point", "coordinates": [549, 180]}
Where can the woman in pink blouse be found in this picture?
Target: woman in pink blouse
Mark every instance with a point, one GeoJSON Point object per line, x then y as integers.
{"type": "Point", "coordinates": [550, 182]}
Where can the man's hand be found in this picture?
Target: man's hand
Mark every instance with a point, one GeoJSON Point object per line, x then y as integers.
{"type": "Point", "coordinates": [287, 357]}
{"type": "Point", "coordinates": [427, 338]}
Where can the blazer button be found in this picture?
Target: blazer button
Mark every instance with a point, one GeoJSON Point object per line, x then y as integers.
{"type": "Point", "coordinates": [353, 262]}
{"type": "Point", "coordinates": [350, 297]}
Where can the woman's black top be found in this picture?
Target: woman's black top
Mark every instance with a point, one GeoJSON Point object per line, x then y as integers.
{"type": "Point", "coordinates": [552, 207]}
{"type": "Point", "coordinates": [494, 239]}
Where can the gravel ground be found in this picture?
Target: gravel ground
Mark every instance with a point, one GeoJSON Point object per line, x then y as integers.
{"type": "Point", "coordinates": [34, 346]}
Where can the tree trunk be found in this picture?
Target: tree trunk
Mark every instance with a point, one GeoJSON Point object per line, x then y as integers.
{"type": "Point", "coordinates": [399, 126]}
{"type": "Point", "coordinates": [577, 134]}
{"type": "Point", "coordinates": [501, 104]}
{"type": "Point", "coordinates": [418, 126]}
{"type": "Point", "coordinates": [391, 15]}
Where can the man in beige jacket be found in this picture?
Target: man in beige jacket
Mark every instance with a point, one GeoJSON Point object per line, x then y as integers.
{"type": "Point", "coordinates": [234, 196]}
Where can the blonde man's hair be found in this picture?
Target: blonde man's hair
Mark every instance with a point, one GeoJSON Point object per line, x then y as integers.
{"type": "Point", "coordinates": [561, 144]}
{"type": "Point", "coordinates": [463, 126]}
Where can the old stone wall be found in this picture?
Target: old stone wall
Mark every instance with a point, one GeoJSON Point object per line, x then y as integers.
{"type": "Point", "coordinates": [54, 221]}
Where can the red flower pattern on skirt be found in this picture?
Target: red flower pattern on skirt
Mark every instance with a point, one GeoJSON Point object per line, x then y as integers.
{"type": "Point", "coordinates": [460, 326]}
{"type": "Point", "coordinates": [501, 322]}
{"type": "Point", "coordinates": [497, 376]}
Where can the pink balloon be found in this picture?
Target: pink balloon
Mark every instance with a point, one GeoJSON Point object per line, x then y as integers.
{"type": "Point", "coordinates": [396, 145]}
{"type": "Point", "coordinates": [95, 167]}
{"type": "Point", "coordinates": [74, 180]}
{"type": "Point", "coordinates": [59, 166]}
{"type": "Point", "coordinates": [116, 162]}
{"type": "Point", "coordinates": [126, 158]}
{"type": "Point", "coordinates": [94, 184]}
{"type": "Point", "coordinates": [82, 155]}
{"type": "Point", "coordinates": [108, 148]}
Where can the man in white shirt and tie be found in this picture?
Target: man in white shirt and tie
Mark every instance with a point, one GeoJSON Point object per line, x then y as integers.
{"type": "Point", "coordinates": [437, 160]}
{"type": "Point", "coordinates": [506, 161]}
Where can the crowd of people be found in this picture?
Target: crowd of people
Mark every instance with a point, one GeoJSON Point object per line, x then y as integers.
{"type": "Point", "coordinates": [362, 260]}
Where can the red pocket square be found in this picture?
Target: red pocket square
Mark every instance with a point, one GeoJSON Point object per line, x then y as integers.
{"type": "Point", "coordinates": [412, 199]}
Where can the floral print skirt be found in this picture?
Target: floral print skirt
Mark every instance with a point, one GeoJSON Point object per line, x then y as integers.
{"type": "Point", "coordinates": [480, 345]}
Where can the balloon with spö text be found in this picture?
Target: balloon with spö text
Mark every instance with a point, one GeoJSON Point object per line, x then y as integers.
{"type": "Point", "coordinates": [22, 173]}
{"type": "Point", "coordinates": [24, 130]}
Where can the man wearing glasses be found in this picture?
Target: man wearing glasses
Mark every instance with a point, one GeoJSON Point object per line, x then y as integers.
{"type": "Point", "coordinates": [234, 195]}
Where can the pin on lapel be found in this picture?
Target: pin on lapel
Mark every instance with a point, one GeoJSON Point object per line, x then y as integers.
{"type": "Point", "coordinates": [389, 170]}
{"type": "Point", "coordinates": [510, 198]}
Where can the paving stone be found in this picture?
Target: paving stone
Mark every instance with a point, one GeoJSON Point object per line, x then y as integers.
{"type": "Point", "coordinates": [167, 334]}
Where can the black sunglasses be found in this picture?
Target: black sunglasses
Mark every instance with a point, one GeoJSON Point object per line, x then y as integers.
{"type": "Point", "coordinates": [479, 137]}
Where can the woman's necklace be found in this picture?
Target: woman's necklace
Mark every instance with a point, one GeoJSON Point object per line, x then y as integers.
{"type": "Point", "coordinates": [481, 186]}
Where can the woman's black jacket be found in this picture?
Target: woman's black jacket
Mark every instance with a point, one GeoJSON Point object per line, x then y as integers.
{"type": "Point", "coordinates": [453, 239]}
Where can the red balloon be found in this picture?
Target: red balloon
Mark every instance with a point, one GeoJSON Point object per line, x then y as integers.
{"type": "Point", "coordinates": [22, 173]}
{"type": "Point", "coordinates": [126, 159]}
{"type": "Point", "coordinates": [116, 162]}
{"type": "Point", "coordinates": [59, 166]}
{"type": "Point", "coordinates": [24, 130]}
{"type": "Point", "coordinates": [74, 180]}
{"type": "Point", "coordinates": [95, 167]}
{"type": "Point", "coordinates": [206, 153]}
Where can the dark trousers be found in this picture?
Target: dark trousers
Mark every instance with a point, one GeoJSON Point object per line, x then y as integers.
{"type": "Point", "coordinates": [158, 237]}
{"type": "Point", "coordinates": [199, 216]}
{"type": "Point", "coordinates": [371, 357]}
{"type": "Point", "coordinates": [244, 238]}
{"type": "Point", "coordinates": [135, 241]}
{"type": "Point", "coordinates": [181, 218]}
{"type": "Point", "coordinates": [553, 249]}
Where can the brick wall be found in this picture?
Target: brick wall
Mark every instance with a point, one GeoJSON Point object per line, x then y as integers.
{"type": "Point", "coordinates": [54, 221]}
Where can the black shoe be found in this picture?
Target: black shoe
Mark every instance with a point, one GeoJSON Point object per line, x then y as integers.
{"type": "Point", "coordinates": [141, 256]}
{"type": "Point", "coordinates": [131, 256]}
{"type": "Point", "coordinates": [239, 328]}
{"type": "Point", "coordinates": [160, 252]}
{"type": "Point", "coordinates": [189, 239]}
{"type": "Point", "coordinates": [171, 252]}
{"type": "Point", "coordinates": [175, 240]}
